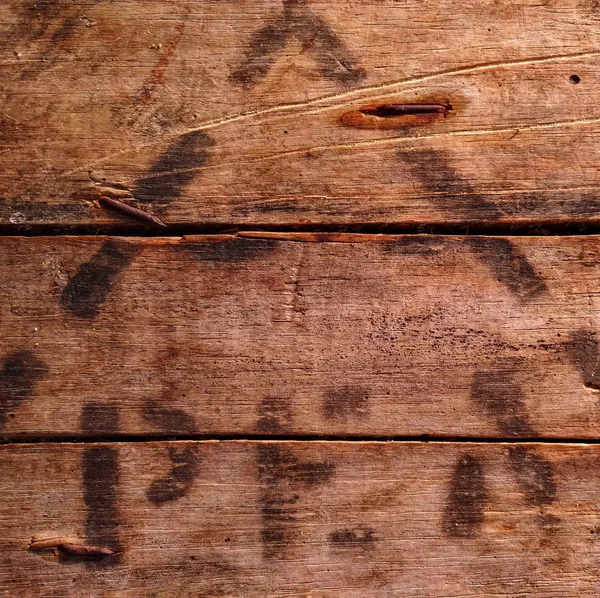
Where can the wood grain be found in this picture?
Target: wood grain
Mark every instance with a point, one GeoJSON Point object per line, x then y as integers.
{"type": "Point", "coordinates": [300, 334]}
{"type": "Point", "coordinates": [228, 113]}
{"type": "Point", "coordinates": [298, 519]}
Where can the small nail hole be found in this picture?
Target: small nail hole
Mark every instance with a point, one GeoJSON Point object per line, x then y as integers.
{"type": "Point", "coordinates": [575, 79]}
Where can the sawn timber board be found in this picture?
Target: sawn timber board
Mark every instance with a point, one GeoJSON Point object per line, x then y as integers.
{"type": "Point", "coordinates": [229, 113]}
{"type": "Point", "coordinates": [318, 519]}
{"type": "Point", "coordinates": [300, 334]}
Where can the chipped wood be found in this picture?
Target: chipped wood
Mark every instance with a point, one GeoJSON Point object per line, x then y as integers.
{"type": "Point", "coordinates": [263, 333]}
{"type": "Point", "coordinates": [231, 113]}
{"type": "Point", "coordinates": [299, 518]}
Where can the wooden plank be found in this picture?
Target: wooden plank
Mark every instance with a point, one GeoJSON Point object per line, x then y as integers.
{"type": "Point", "coordinates": [297, 519]}
{"type": "Point", "coordinates": [300, 334]}
{"type": "Point", "coordinates": [229, 112]}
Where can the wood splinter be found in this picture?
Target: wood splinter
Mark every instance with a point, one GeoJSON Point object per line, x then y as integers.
{"type": "Point", "coordinates": [65, 550]}
{"type": "Point", "coordinates": [110, 203]}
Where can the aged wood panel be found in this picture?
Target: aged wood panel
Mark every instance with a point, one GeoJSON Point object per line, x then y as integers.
{"type": "Point", "coordinates": [297, 519]}
{"type": "Point", "coordinates": [300, 334]}
{"type": "Point", "coordinates": [230, 112]}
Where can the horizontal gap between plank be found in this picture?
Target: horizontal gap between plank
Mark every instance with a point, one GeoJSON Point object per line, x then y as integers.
{"type": "Point", "coordinates": [141, 438]}
{"type": "Point", "coordinates": [505, 228]}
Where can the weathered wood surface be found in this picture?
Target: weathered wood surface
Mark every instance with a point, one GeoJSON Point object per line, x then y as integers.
{"type": "Point", "coordinates": [300, 334]}
{"type": "Point", "coordinates": [299, 519]}
{"type": "Point", "coordinates": [229, 112]}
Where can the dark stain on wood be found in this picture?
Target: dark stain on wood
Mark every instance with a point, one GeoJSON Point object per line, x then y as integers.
{"type": "Point", "coordinates": [500, 395]}
{"type": "Point", "coordinates": [261, 53]}
{"type": "Point", "coordinates": [100, 472]}
{"type": "Point", "coordinates": [99, 419]}
{"type": "Point", "coordinates": [283, 477]}
{"type": "Point", "coordinates": [534, 474]}
{"type": "Point", "coordinates": [347, 402]}
{"type": "Point", "coordinates": [101, 481]}
{"type": "Point", "coordinates": [90, 287]}
{"type": "Point", "coordinates": [551, 525]}
{"type": "Point", "coordinates": [455, 196]}
{"type": "Point", "coordinates": [174, 169]}
{"type": "Point", "coordinates": [177, 483]}
{"type": "Point", "coordinates": [21, 372]}
{"type": "Point", "coordinates": [168, 420]}
{"type": "Point", "coordinates": [333, 60]}
{"type": "Point", "coordinates": [274, 416]}
{"type": "Point", "coordinates": [464, 512]}
{"type": "Point", "coordinates": [509, 267]}
{"type": "Point", "coordinates": [185, 458]}
{"type": "Point", "coordinates": [362, 538]}
{"type": "Point", "coordinates": [230, 250]}
{"type": "Point", "coordinates": [582, 349]}
{"type": "Point", "coordinates": [458, 197]}
{"type": "Point", "coordinates": [50, 24]}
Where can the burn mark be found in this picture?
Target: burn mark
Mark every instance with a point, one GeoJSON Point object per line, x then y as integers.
{"type": "Point", "coordinates": [100, 481]}
{"type": "Point", "coordinates": [455, 195]}
{"type": "Point", "coordinates": [582, 349]}
{"type": "Point", "coordinates": [100, 472]}
{"type": "Point", "coordinates": [171, 421]}
{"type": "Point", "coordinates": [346, 403]}
{"type": "Point", "coordinates": [274, 416]}
{"type": "Point", "coordinates": [510, 268]}
{"type": "Point", "coordinates": [174, 169]}
{"type": "Point", "coordinates": [333, 60]}
{"type": "Point", "coordinates": [89, 288]}
{"type": "Point", "coordinates": [282, 477]}
{"type": "Point", "coordinates": [185, 459]}
{"type": "Point", "coordinates": [535, 476]}
{"type": "Point", "coordinates": [99, 419]}
{"type": "Point", "coordinates": [363, 538]}
{"type": "Point", "coordinates": [21, 372]}
{"type": "Point", "coordinates": [260, 56]}
{"type": "Point", "coordinates": [230, 249]}
{"type": "Point", "coordinates": [500, 395]}
{"type": "Point", "coordinates": [458, 197]}
{"type": "Point", "coordinates": [51, 24]}
{"type": "Point", "coordinates": [550, 525]}
{"type": "Point", "coordinates": [176, 484]}
{"type": "Point", "coordinates": [464, 513]}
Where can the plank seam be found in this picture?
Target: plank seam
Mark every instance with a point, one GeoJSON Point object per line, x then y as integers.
{"type": "Point", "coordinates": [143, 438]}
{"type": "Point", "coordinates": [583, 227]}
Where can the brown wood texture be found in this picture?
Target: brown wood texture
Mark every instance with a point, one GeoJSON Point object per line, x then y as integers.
{"type": "Point", "coordinates": [229, 112]}
{"type": "Point", "coordinates": [299, 519]}
{"type": "Point", "coordinates": [300, 334]}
